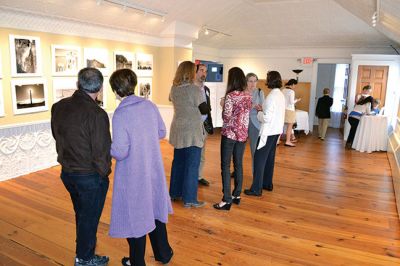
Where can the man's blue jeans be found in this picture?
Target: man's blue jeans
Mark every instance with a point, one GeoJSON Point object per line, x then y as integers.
{"type": "Point", "coordinates": [88, 193]}
{"type": "Point", "coordinates": [185, 173]}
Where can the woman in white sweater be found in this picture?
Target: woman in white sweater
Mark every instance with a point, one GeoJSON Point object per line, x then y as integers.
{"type": "Point", "coordinates": [272, 119]}
{"type": "Point", "coordinates": [362, 107]}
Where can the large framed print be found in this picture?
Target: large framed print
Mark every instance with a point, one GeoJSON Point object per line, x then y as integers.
{"type": "Point", "coordinates": [124, 60]}
{"type": "Point", "coordinates": [144, 65]}
{"type": "Point", "coordinates": [97, 58]}
{"type": "Point", "coordinates": [26, 56]}
{"type": "Point", "coordinates": [1, 99]}
{"type": "Point", "coordinates": [63, 87]}
{"type": "Point", "coordinates": [66, 60]}
{"type": "Point", "coordinates": [145, 87]}
{"type": "Point", "coordinates": [29, 95]}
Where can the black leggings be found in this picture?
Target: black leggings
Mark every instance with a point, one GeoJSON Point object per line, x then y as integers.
{"type": "Point", "coordinates": [354, 124]}
{"type": "Point", "coordinates": [159, 242]}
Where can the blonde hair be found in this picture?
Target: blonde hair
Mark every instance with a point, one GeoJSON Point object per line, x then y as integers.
{"type": "Point", "coordinates": [185, 73]}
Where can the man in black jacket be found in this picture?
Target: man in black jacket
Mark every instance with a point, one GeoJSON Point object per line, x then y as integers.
{"type": "Point", "coordinates": [323, 112]}
{"type": "Point", "coordinates": [82, 133]}
{"type": "Point", "coordinates": [201, 74]}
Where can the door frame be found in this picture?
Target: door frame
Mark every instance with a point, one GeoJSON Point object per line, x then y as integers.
{"type": "Point", "coordinates": [314, 79]}
{"type": "Point", "coordinates": [392, 94]}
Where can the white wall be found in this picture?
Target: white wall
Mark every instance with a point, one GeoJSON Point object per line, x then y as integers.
{"type": "Point", "coordinates": [284, 60]}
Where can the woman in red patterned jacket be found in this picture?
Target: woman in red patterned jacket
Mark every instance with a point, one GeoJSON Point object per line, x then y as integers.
{"type": "Point", "coordinates": [234, 132]}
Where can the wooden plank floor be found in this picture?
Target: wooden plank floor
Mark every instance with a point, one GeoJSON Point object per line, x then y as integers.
{"type": "Point", "coordinates": [329, 207]}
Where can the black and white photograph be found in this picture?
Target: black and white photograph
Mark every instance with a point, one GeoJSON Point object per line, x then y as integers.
{"type": "Point", "coordinates": [124, 60]}
{"type": "Point", "coordinates": [29, 95]}
{"type": "Point", "coordinates": [65, 60]}
{"type": "Point", "coordinates": [97, 58]}
{"type": "Point", "coordinates": [25, 56]}
{"type": "Point", "coordinates": [63, 87]}
{"type": "Point", "coordinates": [1, 99]}
{"type": "Point", "coordinates": [144, 87]}
{"type": "Point", "coordinates": [144, 65]}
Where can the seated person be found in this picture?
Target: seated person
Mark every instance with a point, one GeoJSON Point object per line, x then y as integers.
{"type": "Point", "coordinates": [375, 107]}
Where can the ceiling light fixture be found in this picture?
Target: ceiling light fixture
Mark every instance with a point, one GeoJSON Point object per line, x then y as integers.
{"type": "Point", "coordinates": [207, 31]}
{"type": "Point", "coordinates": [375, 16]}
{"type": "Point", "coordinates": [125, 5]}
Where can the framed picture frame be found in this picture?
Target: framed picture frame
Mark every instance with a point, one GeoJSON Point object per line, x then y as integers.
{"type": "Point", "coordinates": [97, 58]}
{"type": "Point", "coordinates": [144, 65]}
{"type": "Point", "coordinates": [29, 95]}
{"type": "Point", "coordinates": [63, 87]}
{"type": "Point", "coordinates": [1, 99]}
{"type": "Point", "coordinates": [66, 60]}
{"type": "Point", "coordinates": [26, 56]}
{"type": "Point", "coordinates": [145, 87]}
{"type": "Point", "coordinates": [124, 59]}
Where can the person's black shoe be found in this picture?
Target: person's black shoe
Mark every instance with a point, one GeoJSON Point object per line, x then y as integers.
{"type": "Point", "coordinates": [125, 261]}
{"type": "Point", "coordinates": [204, 182]}
{"type": "Point", "coordinates": [165, 262]}
{"type": "Point", "coordinates": [223, 206]}
{"type": "Point", "coordinates": [236, 200]}
{"type": "Point", "coordinates": [269, 187]}
{"type": "Point", "coordinates": [176, 198]}
{"type": "Point", "coordinates": [95, 261]}
{"type": "Point", "coordinates": [250, 192]}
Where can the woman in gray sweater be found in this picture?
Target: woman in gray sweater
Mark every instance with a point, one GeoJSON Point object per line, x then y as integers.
{"type": "Point", "coordinates": [186, 135]}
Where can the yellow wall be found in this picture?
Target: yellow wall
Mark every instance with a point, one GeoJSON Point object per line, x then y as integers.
{"type": "Point", "coordinates": [165, 63]}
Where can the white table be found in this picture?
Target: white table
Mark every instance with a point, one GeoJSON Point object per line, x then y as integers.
{"type": "Point", "coordinates": [372, 134]}
{"type": "Point", "coordinates": [302, 121]}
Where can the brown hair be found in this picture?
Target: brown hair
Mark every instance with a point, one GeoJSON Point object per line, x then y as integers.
{"type": "Point", "coordinates": [326, 91]}
{"type": "Point", "coordinates": [274, 80]}
{"type": "Point", "coordinates": [185, 73]}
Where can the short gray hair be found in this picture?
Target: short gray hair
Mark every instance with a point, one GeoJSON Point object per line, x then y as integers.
{"type": "Point", "coordinates": [90, 80]}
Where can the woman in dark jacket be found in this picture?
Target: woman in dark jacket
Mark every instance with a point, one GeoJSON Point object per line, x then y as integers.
{"type": "Point", "coordinates": [323, 112]}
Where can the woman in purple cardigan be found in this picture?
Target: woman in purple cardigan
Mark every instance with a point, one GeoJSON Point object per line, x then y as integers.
{"type": "Point", "coordinates": [140, 200]}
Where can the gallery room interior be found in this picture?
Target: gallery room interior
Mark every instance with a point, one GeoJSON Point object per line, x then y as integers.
{"type": "Point", "coordinates": [329, 205]}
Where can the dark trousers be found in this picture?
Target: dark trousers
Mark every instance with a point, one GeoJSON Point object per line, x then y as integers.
{"type": "Point", "coordinates": [353, 129]}
{"type": "Point", "coordinates": [231, 147]}
{"type": "Point", "coordinates": [88, 193]}
{"type": "Point", "coordinates": [264, 162]}
{"type": "Point", "coordinates": [185, 173]}
{"type": "Point", "coordinates": [159, 242]}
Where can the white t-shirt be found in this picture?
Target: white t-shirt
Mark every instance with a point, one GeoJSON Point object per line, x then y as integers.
{"type": "Point", "coordinates": [289, 98]}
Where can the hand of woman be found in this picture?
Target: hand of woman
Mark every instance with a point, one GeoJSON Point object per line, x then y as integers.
{"type": "Point", "coordinates": [258, 107]}
{"type": "Point", "coordinates": [222, 102]}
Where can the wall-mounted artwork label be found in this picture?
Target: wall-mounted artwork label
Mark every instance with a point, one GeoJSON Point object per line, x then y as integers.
{"type": "Point", "coordinates": [25, 56]}
{"type": "Point", "coordinates": [65, 60]}
{"type": "Point", "coordinates": [144, 65]}
{"type": "Point", "coordinates": [124, 60]}
{"type": "Point", "coordinates": [29, 95]}
{"type": "Point", "coordinates": [97, 58]}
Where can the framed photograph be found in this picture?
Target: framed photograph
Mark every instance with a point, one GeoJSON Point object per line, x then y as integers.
{"type": "Point", "coordinates": [144, 88]}
{"type": "Point", "coordinates": [97, 58]}
{"type": "Point", "coordinates": [144, 65]}
{"type": "Point", "coordinates": [25, 56]}
{"type": "Point", "coordinates": [63, 87]}
{"type": "Point", "coordinates": [124, 60]}
{"type": "Point", "coordinates": [29, 95]}
{"type": "Point", "coordinates": [1, 99]}
{"type": "Point", "coordinates": [66, 60]}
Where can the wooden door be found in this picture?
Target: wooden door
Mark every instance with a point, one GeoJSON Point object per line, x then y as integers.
{"type": "Point", "coordinates": [376, 76]}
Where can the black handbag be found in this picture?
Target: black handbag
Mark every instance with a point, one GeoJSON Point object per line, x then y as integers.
{"type": "Point", "coordinates": [208, 126]}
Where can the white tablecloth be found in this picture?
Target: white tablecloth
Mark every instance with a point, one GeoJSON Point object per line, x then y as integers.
{"type": "Point", "coordinates": [302, 121]}
{"type": "Point", "coordinates": [372, 134]}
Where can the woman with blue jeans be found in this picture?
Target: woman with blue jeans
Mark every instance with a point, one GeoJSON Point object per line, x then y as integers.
{"type": "Point", "coordinates": [186, 135]}
{"type": "Point", "coordinates": [234, 132]}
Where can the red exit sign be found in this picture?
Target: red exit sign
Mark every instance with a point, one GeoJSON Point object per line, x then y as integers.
{"type": "Point", "coordinates": [307, 60]}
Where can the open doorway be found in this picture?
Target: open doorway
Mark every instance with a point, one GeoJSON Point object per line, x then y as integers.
{"type": "Point", "coordinates": [336, 78]}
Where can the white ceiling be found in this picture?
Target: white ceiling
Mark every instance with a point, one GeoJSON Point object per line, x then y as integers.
{"type": "Point", "coordinates": [253, 24]}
